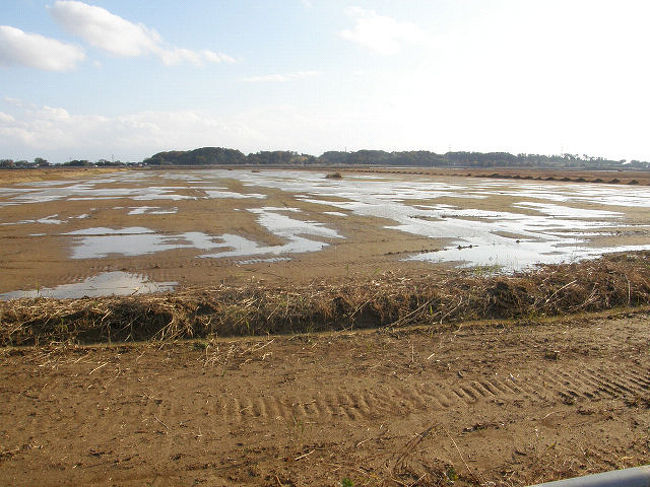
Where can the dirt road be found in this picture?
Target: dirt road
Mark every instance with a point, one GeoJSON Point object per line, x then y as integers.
{"type": "Point", "coordinates": [480, 404]}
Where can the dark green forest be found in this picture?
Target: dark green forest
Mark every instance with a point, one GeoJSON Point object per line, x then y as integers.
{"type": "Point", "coordinates": [218, 155]}
{"type": "Point", "coordinates": [214, 156]}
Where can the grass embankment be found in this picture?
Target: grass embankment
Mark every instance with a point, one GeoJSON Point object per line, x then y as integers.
{"type": "Point", "coordinates": [52, 173]}
{"type": "Point", "coordinates": [389, 300]}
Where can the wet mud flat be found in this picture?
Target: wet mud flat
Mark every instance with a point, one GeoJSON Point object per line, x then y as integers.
{"type": "Point", "coordinates": [219, 226]}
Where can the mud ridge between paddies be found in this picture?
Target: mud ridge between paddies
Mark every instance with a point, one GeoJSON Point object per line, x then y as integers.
{"type": "Point", "coordinates": [388, 300]}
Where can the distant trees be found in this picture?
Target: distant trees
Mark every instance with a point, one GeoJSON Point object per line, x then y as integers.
{"type": "Point", "coordinates": [230, 157]}
{"type": "Point", "coordinates": [473, 159]}
{"type": "Point", "coordinates": [40, 162]}
{"type": "Point", "coordinates": [379, 157]}
{"type": "Point", "coordinates": [21, 164]}
{"type": "Point", "coordinates": [213, 156]}
{"type": "Point", "coordinates": [78, 163]}
{"type": "Point", "coordinates": [106, 163]}
{"type": "Point", "coordinates": [638, 164]}
{"type": "Point", "coordinates": [220, 155]}
{"type": "Point", "coordinates": [202, 156]}
{"type": "Point", "coordinates": [279, 158]}
{"type": "Point", "coordinates": [334, 157]}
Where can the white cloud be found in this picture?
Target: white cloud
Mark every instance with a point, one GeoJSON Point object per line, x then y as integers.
{"type": "Point", "coordinates": [16, 102]}
{"type": "Point", "coordinates": [18, 48]}
{"type": "Point", "coordinates": [120, 37]}
{"type": "Point", "coordinates": [281, 77]}
{"type": "Point", "coordinates": [104, 30]}
{"type": "Point", "coordinates": [6, 118]}
{"type": "Point", "coordinates": [216, 57]}
{"type": "Point", "coordinates": [54, 114]}
{"type": "Point", "coordinates": [383, 34]}
{"type": "Point", "coordinates": [56, 133]}
{"type": "Point", "coordinates": [178, 55]}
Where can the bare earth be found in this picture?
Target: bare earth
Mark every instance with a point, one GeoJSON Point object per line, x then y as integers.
{"type": "Point", "coordinates": [481, 404]}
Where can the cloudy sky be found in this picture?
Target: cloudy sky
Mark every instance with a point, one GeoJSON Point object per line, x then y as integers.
{"type": "Point", "coordinates": [126, 79]}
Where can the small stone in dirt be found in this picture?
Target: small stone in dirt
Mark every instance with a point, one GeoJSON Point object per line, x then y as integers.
{"type": "Point", "coordinates": [552, 355]}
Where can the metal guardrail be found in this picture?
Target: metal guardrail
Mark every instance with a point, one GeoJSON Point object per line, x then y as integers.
{"type": "Point", "coordinates": [630, 477]}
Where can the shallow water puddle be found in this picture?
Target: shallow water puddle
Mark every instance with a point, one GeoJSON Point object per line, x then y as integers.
{"type": "Point", "coordinates": [513, 241]}
{"type": "Point", "coordinates": [222, 193]}
{"type": "Point", "coordinates": [47, 220]}
{"type": "Point", "coordinates": [96, 243]}
{"type": "Point", "coordinates": [271, 260]}
{"type": "Point", "coordinates": [106, 284]}
{"type": "Point", "coordinates": [600, 194]}
{"type": "Point", "coordinates": [100, 242]}
{"type": "Point", "coordinates": [90, 190]}
{"type": "Point", "coordinates": [513, 256]}
{"type": "Point", "coordinates": [282, 226]}
{"type": "Point", "coordinates": [557, 233]}
{"type": "Point", "coordinates": [151, 210]}
{"type": "Point", "coordinates": [567, 211]}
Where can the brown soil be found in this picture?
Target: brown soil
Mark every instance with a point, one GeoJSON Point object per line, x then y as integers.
{"type": "Point", "coordinates": [498, 403]}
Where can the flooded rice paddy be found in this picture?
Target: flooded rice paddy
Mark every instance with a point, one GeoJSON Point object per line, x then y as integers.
{"type": "Point", "coordinates": [206, 226]}
{"type": "Point", "coordinates": [104, 284]}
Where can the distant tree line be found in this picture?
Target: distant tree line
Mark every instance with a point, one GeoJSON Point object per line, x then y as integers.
{"type": "Point", "coordinates": [213, 156]}
{"type": "Point", "coordinates": [223, 156]}
{"type": "Point", "coordinates": [476, 160]}
{"type": "Point", "coordinates": [231, 157]}
{"type": "Point", "coordinates": [10, 163]}
{"type": "Point", "coordinates": [40, 162]}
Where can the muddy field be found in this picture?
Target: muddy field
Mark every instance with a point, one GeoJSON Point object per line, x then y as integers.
{"type": "Point", "coordinates": [432, 397]}
{"type": "Point", "coordinates": [500, 403]}
{"type": "Point", "coordinates": [132, 229]}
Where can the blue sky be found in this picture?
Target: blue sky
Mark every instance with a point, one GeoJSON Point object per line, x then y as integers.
{"type": "Point", "coordinates": [125, 79]}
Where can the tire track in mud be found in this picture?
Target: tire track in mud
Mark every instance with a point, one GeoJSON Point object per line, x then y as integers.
{"type": "Point", "coordinates": [559, 383]}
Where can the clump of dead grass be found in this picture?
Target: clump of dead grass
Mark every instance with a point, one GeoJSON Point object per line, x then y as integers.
{"type": "Point", "coordinates": [386, 300]}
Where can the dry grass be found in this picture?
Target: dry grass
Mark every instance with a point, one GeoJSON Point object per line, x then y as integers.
{"type": "Point", "coordinates": [388, 300]}
{"type": "Point", "coordinates": [53, 173]}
